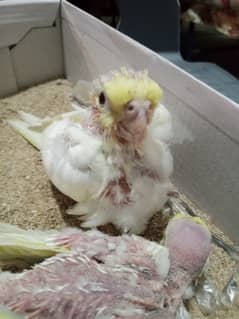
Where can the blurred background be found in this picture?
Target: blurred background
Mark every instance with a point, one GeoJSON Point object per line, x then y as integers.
{"type": "Point", "coordinates": [200, 36]}
{"type": "Point", "coordinates": [210, 32]}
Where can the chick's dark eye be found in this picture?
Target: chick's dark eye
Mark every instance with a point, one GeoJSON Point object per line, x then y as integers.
{"type": "Point", "coordinates": [102, 98]}
{"type": "Point", "coordinates": [130, 107]}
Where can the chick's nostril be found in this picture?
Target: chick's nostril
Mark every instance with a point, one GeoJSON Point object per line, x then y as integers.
{"type": "Point", "coordinates": [131, 112]}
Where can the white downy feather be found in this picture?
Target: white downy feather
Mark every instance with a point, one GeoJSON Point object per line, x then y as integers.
{"type": "Point", "coordinates": [74, 161]}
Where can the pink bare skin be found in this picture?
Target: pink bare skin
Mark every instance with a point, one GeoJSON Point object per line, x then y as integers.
{"type": "Point", "coordinates": [189, 246]}
{"type": "Point", "coordinates": [130, 130]}
{"type": "Point", "coordinates": [132, 127]}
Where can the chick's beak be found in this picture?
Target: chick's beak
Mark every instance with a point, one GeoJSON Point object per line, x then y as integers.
{"type": "Point", "coordinates": [132, 126]}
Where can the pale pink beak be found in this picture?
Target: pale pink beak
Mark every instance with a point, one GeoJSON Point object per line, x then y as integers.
{"type": "Point", "coordinates": [132, 127]}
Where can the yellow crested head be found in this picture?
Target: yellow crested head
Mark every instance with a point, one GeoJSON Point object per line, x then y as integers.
{"type": "Point", "coordinates": [125, 86]}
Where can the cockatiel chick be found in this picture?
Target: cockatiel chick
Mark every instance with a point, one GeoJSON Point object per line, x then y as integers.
{"type": "Point", "coordinates": [111, 156]}
{"type": "Point", "coordinates": [99, 276]}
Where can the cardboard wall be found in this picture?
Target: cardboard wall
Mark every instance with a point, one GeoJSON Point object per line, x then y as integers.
{"type": "Point", "coordinates": [30, 44]}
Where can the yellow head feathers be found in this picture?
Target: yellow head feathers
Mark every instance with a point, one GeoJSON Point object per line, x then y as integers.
{"type": "Point", "coordinates": [125, 86]}
{"type": "Point", "coordinates": [195, 219]}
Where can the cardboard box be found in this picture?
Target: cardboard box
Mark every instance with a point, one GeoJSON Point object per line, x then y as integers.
{"type": "Point", "coordinates": [42, 40]}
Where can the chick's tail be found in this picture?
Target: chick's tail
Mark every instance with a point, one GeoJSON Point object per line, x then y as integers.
{"type": "Point", "coordinates": [30, 127]}
{"type": "Point", "coordinates": [7, 314]}
{"type": "Point", "coordinates": [20, 248]}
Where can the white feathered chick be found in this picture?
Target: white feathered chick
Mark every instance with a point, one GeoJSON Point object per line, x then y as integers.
{"type": "Point", "coordinates": [111, 156]}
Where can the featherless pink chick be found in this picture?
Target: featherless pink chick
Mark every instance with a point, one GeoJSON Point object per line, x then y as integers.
{"type": "Point", "coordinates": [111, 277]}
